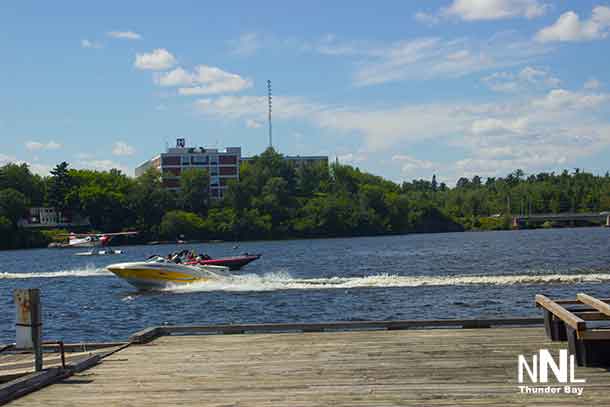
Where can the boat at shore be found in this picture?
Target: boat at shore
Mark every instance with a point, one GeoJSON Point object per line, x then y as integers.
{"type": "Point", "coordinates": [158, 272]}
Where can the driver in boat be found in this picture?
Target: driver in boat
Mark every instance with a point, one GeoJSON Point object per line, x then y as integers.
{"type": "Point", "coordinates": [186, 256]}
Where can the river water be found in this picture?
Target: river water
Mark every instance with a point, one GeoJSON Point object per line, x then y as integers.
{"type": "Point", "coordinates": [427, 276]}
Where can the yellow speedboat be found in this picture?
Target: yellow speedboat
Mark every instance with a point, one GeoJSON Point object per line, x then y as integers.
{"type": "Point", "coordinates": [158, 272]}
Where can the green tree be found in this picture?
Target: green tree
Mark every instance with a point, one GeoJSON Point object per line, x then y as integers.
{"type": "Point", "coordinates": [194, 190]}
{"type": "Point", "coordinates": [181, 225]}
{"type": "Point", "coordinates": [13, 205]}
{"type": "Point", "coordinates": [149, 201]}
{"type": "Point", "coordinates": [6, 232]}
{"type": "Point", "coordinates": [107, 210]}
{"type": "Point", "coordinates": [19, 178]}
{"type": "Point", "coordinates": [60, 185]}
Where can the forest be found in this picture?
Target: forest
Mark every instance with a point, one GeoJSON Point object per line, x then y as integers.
{"type": "Point", "coordinates": [274, 199]}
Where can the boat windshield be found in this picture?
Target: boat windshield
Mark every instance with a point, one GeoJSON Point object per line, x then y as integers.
{"type": "Point", "coordinates": [157, 259]}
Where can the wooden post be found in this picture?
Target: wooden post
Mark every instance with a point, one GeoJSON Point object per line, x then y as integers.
{"type": "Point", "coordinates": [28, 322]}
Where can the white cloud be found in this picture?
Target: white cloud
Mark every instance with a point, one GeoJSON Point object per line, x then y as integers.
{"type": "Point", "coordinates": [255, 107]}
{"type": "Point", "coordinates": [561, 99]}
{"type": "Point", "coordinates": [430, 57]}
{"type": "Point", "coordinates": [40, 169]}
{"type": "Point", "coordinates": [247, 44]}
{"type": "Point", "coordinates": [204, 80]}
{"type": "Point", "coordinates": [157, 60]}
{"type": "Point", "coordinates": [411, 165]}
{"type": "Point", "coordinates": [5, 159]}
{"type": "Point", "coordinates": [592, 84]}
{"type": "Point", "coordinates": [253, 124]}
{"type": "Point", "coordinates": [569, 27]}
{"type": "Point", "coordinates": [101, 165]}
{"type": "Point", "coordinates": [90, 44]}
{"type": "Point", "coordinates": [36, 168]}
{"type": "Point", "coordinates": [426, 18]}
{"type": "Point", "coordinates": [528, 78]}
{"type": "Point", "coordinates": [471, 10]}
{"type": "Point", "coordinates": [352, 158]}
{"type": "Point", "coordinates": [121, 148]}
{"type": "Point", "coordinates": [37, 145]}
{"type": "Point", "coordinates": [125, 35]}
{"type": "Point", "coordinates": [175, 77]}
{"type": "Point", "coordinates": [474, 10]}
{"type": "Point", "coordinates": [380, 128]}
{"type": "Point", "coordinates": [533, 133]}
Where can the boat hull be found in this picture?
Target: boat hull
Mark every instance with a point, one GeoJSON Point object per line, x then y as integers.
{"type": "Point", "coordinates": [151, 276]}
{"type": "Point", "coordinates": [233, 263]}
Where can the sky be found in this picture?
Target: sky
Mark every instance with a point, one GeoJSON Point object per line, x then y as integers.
{"type": "Point", "coordinates": [402, 89]}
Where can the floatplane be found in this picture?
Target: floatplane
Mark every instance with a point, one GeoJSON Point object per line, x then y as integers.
{"type": "Point", "coordinates": [98, 242]}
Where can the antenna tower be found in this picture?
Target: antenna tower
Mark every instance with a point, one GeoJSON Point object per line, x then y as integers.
{"type": "Point", "coordinates": [269, 98]}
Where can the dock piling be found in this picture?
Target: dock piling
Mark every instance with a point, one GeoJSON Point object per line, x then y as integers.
{"type": "Point", "coordinates": [28, 322]}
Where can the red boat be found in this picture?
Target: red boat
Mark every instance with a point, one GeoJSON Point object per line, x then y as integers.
{"type": "Point", "coordinates": [233, 263]}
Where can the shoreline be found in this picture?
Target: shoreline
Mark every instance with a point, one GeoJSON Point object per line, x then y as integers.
{"type": "Point", "coordinates": [296, 238]}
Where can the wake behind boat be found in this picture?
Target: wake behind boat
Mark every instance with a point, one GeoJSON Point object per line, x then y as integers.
{"type": "Point", "coordinates": [158, 272]}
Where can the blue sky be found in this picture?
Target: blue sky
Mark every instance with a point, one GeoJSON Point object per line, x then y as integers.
{"type": "Point", "coordinates": [401, 89]}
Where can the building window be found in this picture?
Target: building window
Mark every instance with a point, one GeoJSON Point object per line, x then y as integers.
{"type": "Point", "coordinates": [198, 160]}
{"type": "Point", "coordinates": [227, 159]}
{"type": "Point", "coordinates": [171, 160]}
{"type": "Point", "coordinates": [228, 170]}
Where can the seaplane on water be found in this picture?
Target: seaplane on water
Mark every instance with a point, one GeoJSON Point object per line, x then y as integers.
{"type": "Point", "coordinates": [93, 239]}
{"type": "Point", "coordinates": [98, 242]}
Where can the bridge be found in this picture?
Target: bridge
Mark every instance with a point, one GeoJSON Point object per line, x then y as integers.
{"type": "Point", "coordinates": [592, 217]}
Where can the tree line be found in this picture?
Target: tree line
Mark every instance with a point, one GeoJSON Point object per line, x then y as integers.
{"type": "Point", "coordinates": [274, 199]}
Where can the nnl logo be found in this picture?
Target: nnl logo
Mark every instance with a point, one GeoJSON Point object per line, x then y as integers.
{"type": "Point", "coordinates": [538, 372]}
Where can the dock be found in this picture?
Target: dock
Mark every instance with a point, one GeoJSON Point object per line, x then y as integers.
{"type": "Point", "coordinates": [315, 365]}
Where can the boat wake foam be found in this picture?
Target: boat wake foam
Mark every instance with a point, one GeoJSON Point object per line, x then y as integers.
{"type": "Point", "coordinates": [87, 272]}
{"type": "Point", "coordinates": [283, 281]}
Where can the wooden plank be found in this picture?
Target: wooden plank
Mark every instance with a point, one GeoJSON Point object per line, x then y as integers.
{"type": "Point", "coordinates": [84, 346]}
{"type": "Point", "coordinates": [567, 301]}
{"type": "Point", "coordinates": [468, 367]}
{"type": "Point", "coordinates": [145, 335]}
{"type": "Point", "coordinates": [592, 316]}
{"type": "Point", "coordinates": [566, 316]}
{"type": "Point", "coordinates": [26, 384]}
{"type": "Point", "coordinates": [594, 302]}
{"type": "Point", "coordinates": [595, 335]}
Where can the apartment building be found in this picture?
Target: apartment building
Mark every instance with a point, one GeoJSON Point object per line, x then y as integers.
{"type": "Point", "coordinates": [222, 165]}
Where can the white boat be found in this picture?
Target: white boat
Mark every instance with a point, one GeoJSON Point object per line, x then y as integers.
{"type": "Point", "coordinates": [99, 252]}
{"type": "Point", "coordinates": [158, 272]}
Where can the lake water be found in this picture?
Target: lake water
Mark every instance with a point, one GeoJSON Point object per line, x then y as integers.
{"type": "Point", "coordinates": [428, 276]}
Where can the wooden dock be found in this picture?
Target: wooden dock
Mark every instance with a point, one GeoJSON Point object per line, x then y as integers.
{"type": "Point", "coordinates": [431, 367]}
